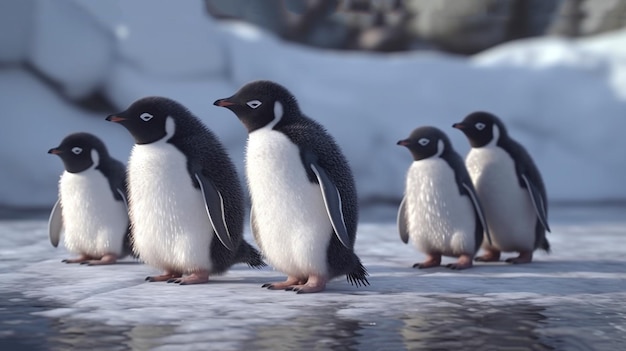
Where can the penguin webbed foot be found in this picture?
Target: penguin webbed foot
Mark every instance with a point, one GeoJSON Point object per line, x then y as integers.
{"type": "Point", "coordinates": [290, 282]}
{"type": "Point", "coordinates": [199, 277]}
{"type": "Point", "coordinates": [164, 277]}
{"type": "Point", "coordinates": [431, 261]}
{"type": "Point", "coordinates": [105, 260]}
{"type": "Point", "coordinates": [524, 257]}
{"type": "Point", "coordinates": [489, 256]}
{"type": "Point", "coordinates": [314, 283]}
{"type": "Point", "coordinates": [464, 262]}
{"type": "Point", "coordinates": [81, 259]}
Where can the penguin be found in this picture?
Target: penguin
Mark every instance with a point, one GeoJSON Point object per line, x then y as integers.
{"type": "Point", "coordinates": [509, 187]}
{"type": "Point", "coordinates": [186, 202]}
{"type": "Point", "coordinates": [440, 211]}
{"type": "Point", "coordinates": [91, 208]}
{"type": "Point", "coordinates": [304, 201]}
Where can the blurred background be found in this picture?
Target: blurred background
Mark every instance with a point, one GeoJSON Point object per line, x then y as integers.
{"type": "Point", "coordinates": [370, 71]}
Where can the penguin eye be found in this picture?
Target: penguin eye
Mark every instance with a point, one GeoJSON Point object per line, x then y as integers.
{"type": "Point", "coordinates": [146, 117]}
{"type": "Point", "coordinates": [254, 103]}
{"type": "Point", "coordinates": [76, 150]}
{"type": "Point", "coordinates": [423, 141]}
{"type": "Point", "coordinates": [480, 126]}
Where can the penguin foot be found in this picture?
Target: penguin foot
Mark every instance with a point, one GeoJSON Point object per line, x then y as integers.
{"type": "Point", "coordinates": [165, 277]}
{"type": "Point", "coordinates": [290, 282]}
{"type": "Point", "coordinates": [106, 259]}
{"type": "Point", "coordinates": [431, 261]}
{"type": "Point", "coordinates": [490, 256]}
{"type": "Point", "coordinates": [524, 257]}
{"type": "Point", "coordinates": [80, 259]}
{"type": "Point", "coordinates": [200, 277]}
{"type": "Point", "coordinates": [314, 284]}
{"type": "Point", "coordinates": [464, 262]}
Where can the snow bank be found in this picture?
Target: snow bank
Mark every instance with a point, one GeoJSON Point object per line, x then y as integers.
{"type": "Point", "coordinates": [564, 100]}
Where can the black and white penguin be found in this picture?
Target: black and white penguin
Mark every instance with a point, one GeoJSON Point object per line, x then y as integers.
{"type": "Point", "coordinates": [509, 187]}
{"type": "Point", "coordinates": [304, 202]}
{"type": "Point", "coordinates": [91, 209]}
{"type": "Point", "coordinates": [186, 202]}
{"type": "Point", "coordinates": [440, 211]}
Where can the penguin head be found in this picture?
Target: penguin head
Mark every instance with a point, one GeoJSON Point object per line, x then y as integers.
{"type": "Point", "coordinates": [80, 151]}
{"type": "Point", "coordinates": [482, 128]}
{"type": "Point", "coordinates": [427, 142]}
{"type": "Point", "coordinates": [150, 119]}
{"type": "Point", "coordinates": [261, 104]}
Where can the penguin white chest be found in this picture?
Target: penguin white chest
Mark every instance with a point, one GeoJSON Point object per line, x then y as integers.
{"type": "Point", "coordinates": [440, 219]}
{"type": "Point", "coordinates": [507, 206]}
{"type": "Point", "coordinates": [171, 229]}
{"type": "Point", "coordinates": [95, 223]}
{"type": "Point", "coordinates": [293, 227]}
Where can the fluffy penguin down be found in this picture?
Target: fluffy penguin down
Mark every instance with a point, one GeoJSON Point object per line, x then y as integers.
{"type": "Point", "coordinates": [440, 219]}
{"type": "Point", "coordinates": [293, 226]}
{"type": "Point", "coordinates": [95, 223]}
{"type": "Point", "coordinates": [179, 239]}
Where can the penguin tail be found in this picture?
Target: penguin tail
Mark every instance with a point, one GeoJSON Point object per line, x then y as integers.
{"type": "Point", "coordinates": [358, 276]}
{"type": "Point", "coordinates": [545, 245]}
{"type": "Point", "coordinates": [250, 256]}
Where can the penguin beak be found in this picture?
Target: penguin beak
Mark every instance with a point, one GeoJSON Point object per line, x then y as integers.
{"type": "Point", "coordinates": [54, 151]}
{"type": "Point", "coordinates": [403, 143]}
{"type": "Point", "coordinates": [223, 103]}
{"type": "Point", "coordinates": [116, 119]}
{"type": "Point", "coordinates": [459, 126]}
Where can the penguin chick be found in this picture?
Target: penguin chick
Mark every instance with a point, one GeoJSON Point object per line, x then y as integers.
{"type": "Point", "coordinates": [440, 211]}
{"type": "Point", "coordinates": [185, 199]}
{"type": "Point", "coordinates": [91, 209]}
{"type": "Point", "coordinates": [304, 202]}
{"type": "Point", "coordinates": [509, 187]}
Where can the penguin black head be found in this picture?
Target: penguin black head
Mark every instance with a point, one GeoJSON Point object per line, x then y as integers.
{"type": "Point", "coordinates": [482, 128]}
{"type": "Point", "coordinates": [261, 103]}
{"type": "Point", "coordinates": [150, 119]}
{"type": "Point", "coordinates": [80, 151]}
{"type": "Point", "coordinates": [425, 142]}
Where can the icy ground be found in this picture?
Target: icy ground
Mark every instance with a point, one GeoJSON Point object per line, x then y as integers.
{"type": "Point", "coordinates": [570, 299]}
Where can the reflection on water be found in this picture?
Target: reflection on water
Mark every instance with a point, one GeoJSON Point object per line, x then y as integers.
{"type": "Point", "coordinates": [461, 325]}
{"type": "Point", "coordinates": [511, 327]}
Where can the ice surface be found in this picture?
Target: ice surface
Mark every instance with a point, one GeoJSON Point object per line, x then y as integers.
{"type": "Point", "coordinates": [584, 270]}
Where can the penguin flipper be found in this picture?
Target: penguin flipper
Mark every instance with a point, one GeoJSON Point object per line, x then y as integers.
{"type": "Point", "coordinates": [332, 202]}
{"type": "Point", "coordinates": [479, 210]}
{"type": "Point", "coordinates": [55, 224]}
{"type": "Point", "coordinates": [538, 202]}
{"type": "Point", "coordinates": [123, 196]}
{"type": "Point", "coordinates": [402, 223]}
{"type": "Point", "coordinates": [214, 204]}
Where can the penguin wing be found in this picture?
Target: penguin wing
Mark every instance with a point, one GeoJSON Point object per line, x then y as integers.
{"type": "Point", "coordinates": [214, 204]}
{"type": "Point", "coordinates": [402, 223]}
{"type": "Point", "coordinates": [55, 224]}
{"type": "Point", "coordinates": [478, 208]}
{"type": "Point", "coordinates": [537, 200]}
{"type": "Point", "coordinates": [332, 202]}
{"type": "Point", "coordinates": [123, 196]}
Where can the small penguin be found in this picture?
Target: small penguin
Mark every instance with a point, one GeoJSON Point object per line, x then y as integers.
{"type": "Point", "coordinates": [304, 202]}
{"type": "Point", "coordinates": [509, 188]}
{"type": "Point", "coordinates": [440, 211]}
{"type": "Point", "coordinates": [91, 208]}
{"type": "Point", "coordinates": [186, 202]}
